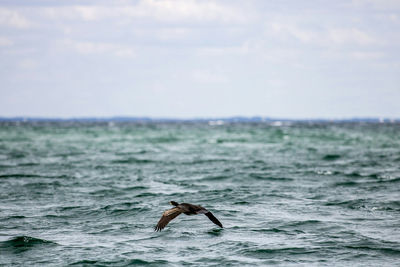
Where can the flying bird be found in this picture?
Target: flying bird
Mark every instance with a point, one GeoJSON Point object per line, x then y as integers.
{"type": "Point", "coordinates": [186, 208]}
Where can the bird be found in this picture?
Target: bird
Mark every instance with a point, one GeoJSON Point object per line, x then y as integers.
{"type": "Point", "coordinates": [186, 208]}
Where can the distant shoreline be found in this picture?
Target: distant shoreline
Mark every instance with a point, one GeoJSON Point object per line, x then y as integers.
{"type": "Point", "coordinates": [213, 121]}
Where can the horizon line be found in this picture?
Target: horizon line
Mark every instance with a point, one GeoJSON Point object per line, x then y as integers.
{"type": "Point", "coordinates": [194, 119]}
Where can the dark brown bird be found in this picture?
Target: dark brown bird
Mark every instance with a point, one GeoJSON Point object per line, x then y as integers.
{"type": "Point", "coordinates": [187, 209]}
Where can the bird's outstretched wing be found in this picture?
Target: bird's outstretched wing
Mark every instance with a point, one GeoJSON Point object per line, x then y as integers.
{"type": "Point", "coordinates": [167, 216]}
{"type": "Point", "coordinates": [213, 219]}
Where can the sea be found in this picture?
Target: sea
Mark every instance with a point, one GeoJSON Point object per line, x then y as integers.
{"type": "Point", "coordinates": [306, 193]}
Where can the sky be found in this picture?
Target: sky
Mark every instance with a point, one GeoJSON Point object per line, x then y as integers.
{"type": "Point", "coordinates": [200, 58]}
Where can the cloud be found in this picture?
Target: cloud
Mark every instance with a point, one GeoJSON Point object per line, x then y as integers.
{"type": "Point", "coordinates": [377, 4]}
{"type": "Point", "coordinates": [207, 76]}
{"type": "Point", "coordinates": [14, 19]}
{"type": "Point", "coordinates": [324, 36]}
{"type": "Point", "coordinates": [190, 9]}
{"type": "Point", "coordinates": [367, 55]}
{"type": "Point", "coordinates": [99, 48]}
{"type": "Point", "coordinates": [172, 33]}
{"type": "Point", "coordinates": [302, 35]}
{"type": "Point", "coordinates": [4, 41]}
{"type": "Point", "coordinates": [240, 49]}
{"type": "Point", "coordinates": [165, 10]}
{"type": "Point", "coordinates": [27, 64]}
{"type": "Point", "coordinates": [350, 35]}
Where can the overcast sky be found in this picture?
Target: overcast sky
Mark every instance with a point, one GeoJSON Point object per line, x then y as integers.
{"type": "Point", "coordinates": [188, 58]}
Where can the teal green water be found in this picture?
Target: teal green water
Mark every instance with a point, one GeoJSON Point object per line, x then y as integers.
{"type": "Point", "coordinates": [296, 194]}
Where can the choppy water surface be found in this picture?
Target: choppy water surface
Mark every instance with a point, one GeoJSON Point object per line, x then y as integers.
{"type": "Point", "coordinates": [298, 194]}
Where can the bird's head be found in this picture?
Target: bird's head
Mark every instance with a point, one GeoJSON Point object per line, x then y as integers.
{"type": "Point", "coordinates": [173, 203]}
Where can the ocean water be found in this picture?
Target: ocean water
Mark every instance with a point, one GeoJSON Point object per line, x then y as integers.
{"type": "Point", "coordinates": [301, 194]}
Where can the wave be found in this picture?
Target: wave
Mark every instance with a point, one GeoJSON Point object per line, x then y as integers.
{"type": "Point", "coordinates": [368, 182]}
{"type": "Point", "coordinates": [26, 164]}
{"type": "Point", "coordinates": [269, 178]}
{"type": "Point", "coordinates": [12, 218]}
{"type": "Point", "coordinates": [133, 188]}
{"type": "Point", "coordinates": [30, 175]}
{"type": "Point", "coordinates": [353, 174]}
{"type": "Point", "coordinates": [384, 250]}
{"type": "Point", "coordinates": [43, 185]}
{"type": "Point", "coordinates": [388, 206]}
{"type": "Point", "coordinates": [118, 209]}
{"type": "Point", "coordinates": [162, 139]}
{"type": "Point", "coordinates": [17, 154]}
{"type": "Point", "coordinates": [231, 140]}
{"type": "Point", "coordinates": [366, 204]}
{"type": "Point", "coordinates": [303, 223]}
{"type": "Point", "coordinates": [351, 204]}
{"type": "Point", "coordinates": [216, 178]}
{"type": "Point", "coordinates": [20, 175]}
{"type": "Point", "coordinates": [371, 244]}
{"type": "Point", "coordinates": [270, 230]}
{"type": "Point", "coordinates": [22, 243]}
{"type": "Point", "coordinates": [331, 157]}
{"type": "Point", "coordinates": [346, 184]}
{"type": "Point", "coordinates": [242, 202]}
{"type": "Point", "coordinates": [123, 207]}
{"type": "Point", "coordinates": [133, 160]}
{"type": "Point", "coordinates": [127, 153]}
{"type": "Point", "coordinates": [202, 161]}
{"type": "Point", "coordinates": [263, 253]}
{"type": "Point", "coordinates": [358, 174]}
{"type": "Point", "coordinates": [119, 263]}
{"type": "Point", "coordinates": [115, 191]}
{"type": "Point", "coordinates": [147, 194]}
{"type": "Point", "coordinates": [393, 180]}
{"type": "Point", "coordinates": [66, 208]}
{"type": "Point", "coordinates": [215, 232]}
